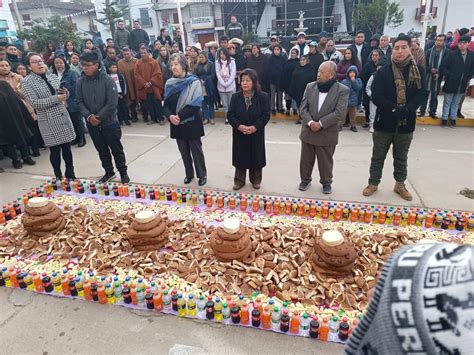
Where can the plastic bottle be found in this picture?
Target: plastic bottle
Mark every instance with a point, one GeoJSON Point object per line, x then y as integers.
{"type": "Point", "coordinates": [13, 272]}
{"type": "Point", "coordinates": [174, 300]}
{"type": "Point", "coordinates": [109, 292]}
{"type": "Point", "coordinates": [266, 318]}
{"type": "Point", "coordinates": [344, 329]}
{"type": "Point", "coordinates": [218, 310]}
{"type": "Point", "coordinates": [101, 294]}
{"type": "Point", "coordinates": [140, 295]}
{"type": "Point", "coordinates": [158, 300]}
{"type": "Point", "coordinates": [166, 299]}
{"type": "Point", "coordinates": [333, 328]}
{"type": "Point", "coordinates": [29, 282]}
{"type": "Point", "coordinates": [258, 305]}
{"type": "Point", "coordinates": [117, 291]}
{"type": "Point", "coordinates": [314, 328]}
{"type": "Point", "coordinates": [256, 319]}
{"type": "Point", "coordinates": [324, 330]}
{"type": "Point", "coordinates": [235, 314]}
{"type": "Point", "coordinates": [285, 321]}
{"type": "Point", "coordinates": [133, 293]}
{"type": "Point", "coordinates": [87, 290]}
{"type": "Point", "coordinates": [57, 282]}
{"type": "Point", "coordinates": [295, 323]}
{"type": "Point", "coordinates": [94, 291]}
{"type": "Point", "coordinates": [181, 304]}
{"type": "Point", "coordinates": [79, 287]}
{"type": "Point", "coordinates": [304, 324]}
{"type": "Point", "coordinates": [47, 284]}
{"type": "Point", "coordinates": [149, 299]}
{"type": "Point", "coordinates": [72, 286]}
{"type": "Point", "coordinates": [6, 277]}
{"type": "Point", "coordinates": [127, 298]}
{"type": "Point", "coordinates": [21, 280]}
{"type": "Point", "coordinates": [244, 313]}
{"type": "Point", "coordinates": [275, 318]}
{"type": "Point", "coordinates": [192, 311]}
{"type": "Point", "coordinates": [210, 309]}
{"type": "Point", "coordinates": [201, 303]}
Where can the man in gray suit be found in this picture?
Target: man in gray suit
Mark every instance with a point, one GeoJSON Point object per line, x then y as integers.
{"type": "Point", "coordinates": [324, 105]}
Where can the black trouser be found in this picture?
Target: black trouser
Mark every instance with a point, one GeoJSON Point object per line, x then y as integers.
{"type": "Point", "coordinates": [107, 139]}
{"type": "Point", "coordinates": [78, 124]}
{"type": "Point", "coordinates": [255, 176]}
{"type": "Point", "coordinates": [122, 110]}
{"type": "Point", "coordinates": [36, 140]}
{"type": "Point", "coordinates": [132, 105]}
{"type": "Point", "coordinates": [153, 106]}
{"type": "Point", "coordinates": [433, 103]}
{"type": "Point", "coordinates": [55, 158]}
{"type": "Point", "coordinates": [11, 151]}
{"type": "Point", "coordinates": [194, 147]}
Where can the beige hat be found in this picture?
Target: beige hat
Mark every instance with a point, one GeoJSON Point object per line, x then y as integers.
{"type": "Point", "coordinates": [237, 41]}
{"type": "Point", "coordinates": [212, 44]}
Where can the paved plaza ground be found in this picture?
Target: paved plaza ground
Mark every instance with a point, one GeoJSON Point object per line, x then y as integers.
{"type": "Point", "coordinates": [441, 164]}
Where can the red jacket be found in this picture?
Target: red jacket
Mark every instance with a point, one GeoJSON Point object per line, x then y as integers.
{"type": "Point", "coordinates": [149, 71]}
{"type": "Point", "coordinates": [454, 43]}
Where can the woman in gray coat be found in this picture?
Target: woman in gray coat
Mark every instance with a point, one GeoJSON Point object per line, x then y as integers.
{"type": "Point", "coordinates": [43, 91]}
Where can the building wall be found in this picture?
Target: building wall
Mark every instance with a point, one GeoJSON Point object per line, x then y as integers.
{"type": "Point", "coordinates": [269, 14]}
{"type": "Point", "coordinates": [459, 13]}
{"type": "Point", "coordinates": [5, 14]}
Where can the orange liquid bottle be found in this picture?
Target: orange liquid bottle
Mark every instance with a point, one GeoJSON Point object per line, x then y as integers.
{"type": "Point", "coordinates": [133, 293]}
{"type": "Point", "coordinates": [65, 284]}
{"type": "Point", "coordinates": [411, 218]}
{"type": "Point", "coordinates": [266, 318]}
{"type": "Point", "coordinates": [13, 274]}
{"type": "Point", "coordinates": [37, 282]}
{"type": "Point", "coordinates": [354, 214]}
{"type": "Point", "coordinates": [429, 220]}
{"type": "Point", "coordinates": [325, 212]}
{"type": "Point", "coordinates": [2, 217]}
{"type": "Point", "coordinates": [142, 192]}
{"type": "Point", "coordinates": [232, 202]}
{"type": "Point", "coordinates": [244, 314]}
{"type": "Point", "coordinates": [102, 295]}
{"type": "Point", "coordinates": [276, 207]}
{"type": "Point", "coordinates": [87, 290]}
{"type": "Point", "coordinates": [220, 201]}
{"type": "Point", "coordinates": [243, 204]}
{"type": "Point", "coordinates": [295, 323]}
{"type": "Point", "coordinates": [368, 216]}
{"type": "Point", "coordinates": [338, 213]}
{"type": "Point", "coordinates": [312, 210]}
{"type": "Point", "coordinates": [324, 330]}
{"type": "Point", "coordinates": [174, 195]}
{"type": "Point", "coordinates": [300, 209]}
{"type": "Point", "coordinates": [158, 301]}
{"type": "Point", "coordinates": [255, 204]}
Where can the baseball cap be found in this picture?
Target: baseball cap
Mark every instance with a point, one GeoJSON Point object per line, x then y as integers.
{"type": "Point", "coordinates": [301, 34]}
{"type": "Point", "coordinates": [313, 43]}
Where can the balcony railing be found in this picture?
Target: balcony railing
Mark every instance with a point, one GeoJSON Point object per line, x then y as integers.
{"type": "Point", "coordinates": [420, 13]}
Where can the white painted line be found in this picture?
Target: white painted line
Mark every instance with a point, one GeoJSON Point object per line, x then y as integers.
{"type": "Point", "coordinates": [143, 135]}
{"type": "Point", "coordinates": [283, 143]}
{"type": "Point", "coordinates": [39, 177]}
{"type": "Point", "coordinates": [455, 151]}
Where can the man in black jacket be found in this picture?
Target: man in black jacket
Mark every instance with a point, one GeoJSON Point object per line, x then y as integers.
{"type": "Point", "coordinates": [458, 69]}
{"type": "Point", "coordinates": [315, 58]}
{"type": "Point", "coordinates": [434, 57]}
{"type": "Point", "coordinates": [97, 98]}
{"type": "Point", "coordinates": [361, 48]}
{"type": "Point", "coordinates": [164, 38]}
{"type": "Point", "coordinates": [138, 36]}
{"type": "Point", "coordinates": [398, 90]}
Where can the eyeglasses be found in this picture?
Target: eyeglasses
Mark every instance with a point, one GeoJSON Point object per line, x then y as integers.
{"type": "Point", "coordinates": [40, 61]}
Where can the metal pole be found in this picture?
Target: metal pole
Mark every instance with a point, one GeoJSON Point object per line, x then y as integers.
{"type": "Point", "coordinates": [180, 19]}
{"type": "Point", "coordinates": [444, 17]}
{"type": "Point", "coordinates": [324, 13]}
{"type": "Point", "coordinates": [19, 21]}
{"type": "Point", "coordinates": [426, 18]}
{"type": "Point", "coordinates": [286, 28]}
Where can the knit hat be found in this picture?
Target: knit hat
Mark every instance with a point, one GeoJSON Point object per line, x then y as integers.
{"type": "Point", "coordinates": [323, 34]}
{"type": "Point", "coordinates": [313, 44]}
{"type": "Point", "coordinates": [301, 34]}
{"type": "Point", "coordinates": [463, 31]}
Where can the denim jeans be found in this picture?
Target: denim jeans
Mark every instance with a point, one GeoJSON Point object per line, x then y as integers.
{"type": "Point", "coordinates": [451, 105]}
{"type": "Point", "coordinates": [208, 108]}
{"type": "Point", "coordinates": [153, 106]}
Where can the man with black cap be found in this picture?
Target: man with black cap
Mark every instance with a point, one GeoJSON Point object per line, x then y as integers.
{"type": "Point", "coordinates": [97, 98]}
{"type": "Point", "coordinates": [301, 44]}
{"type": "Point", "coordinates": [458, 70]}
{"type": "Point", "coordinates": [315, 58]}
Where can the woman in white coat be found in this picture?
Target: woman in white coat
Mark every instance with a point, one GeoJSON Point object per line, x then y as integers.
{"type": "Point", "coordinates": [225, 73]}
{"type": "Point", "coordinates": [43, 91]}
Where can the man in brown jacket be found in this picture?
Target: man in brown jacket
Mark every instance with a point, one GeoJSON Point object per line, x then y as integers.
{"type": "Point", "coordinates": [149, 80]}
{"type": "Point", "coordinates": [126, 67]}
{"type": "Point", "coordinates": [324, 104]}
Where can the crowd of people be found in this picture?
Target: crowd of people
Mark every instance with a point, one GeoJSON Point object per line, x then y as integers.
{"type": "Point", "coordinates": [68, 91]}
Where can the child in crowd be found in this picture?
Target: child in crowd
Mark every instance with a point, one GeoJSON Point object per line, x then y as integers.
{"type": "Point", "coordinates": [372, 107]}
{"type": "Point", "coordinates": [355, 85]}
{"type": "Point", "coordinates": [122, 108]}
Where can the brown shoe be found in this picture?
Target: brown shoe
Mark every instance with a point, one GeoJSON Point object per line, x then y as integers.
{"type": "Point", "coordinates": [369, 190]}
{"type": "Point", "coordinates": [401, 189]}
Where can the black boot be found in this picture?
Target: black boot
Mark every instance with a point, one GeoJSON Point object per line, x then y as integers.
{"type": "Point", "coordinates": [58, 174]}
{"type": "Point", "coordinates": [28, 161]}
{"type": "Point", "coordinates": [82, 141]}
{"type": "Point", "coordinates": [106, 177]}
{"type": "Point", "coordinates": [17, 164]}
{"type": "Point", "coordinates": [70, 174]}
{"type": "Point", "coordinates": [124, 177]}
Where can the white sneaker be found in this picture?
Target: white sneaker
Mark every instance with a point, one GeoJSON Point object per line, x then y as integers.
{"type": "Point", "coordinates": [371, 130]}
